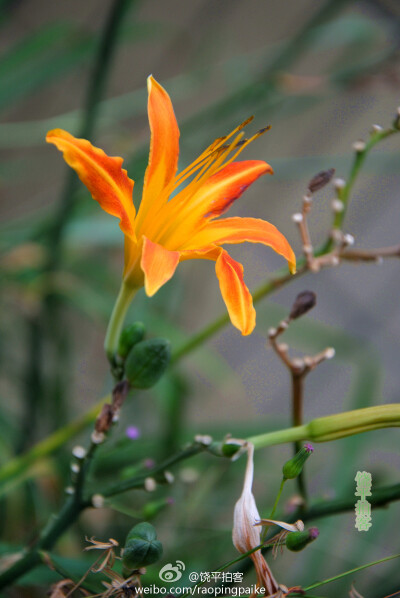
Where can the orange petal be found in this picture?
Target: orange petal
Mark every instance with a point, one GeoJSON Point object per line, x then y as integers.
{"type": "Point", "coordinates": [240, 230]}
{"type": "Point", "coordinates": [158, 265]}
{"type": "Point", "coordinates": [108, 183]}
{"type": "Point", "coordinates": [164, 146]}
{"type": "Point", "coordinates": [234, 292]}
{"type": "Point", "coordinates": [223, 188]}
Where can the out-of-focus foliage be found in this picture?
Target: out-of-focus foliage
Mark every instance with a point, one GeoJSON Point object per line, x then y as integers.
{"type": "Point", "coordinates": [321, 74]}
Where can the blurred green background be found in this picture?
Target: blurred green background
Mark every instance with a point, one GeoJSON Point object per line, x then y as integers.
{"type": "Point", "coordinates": [321, 73]}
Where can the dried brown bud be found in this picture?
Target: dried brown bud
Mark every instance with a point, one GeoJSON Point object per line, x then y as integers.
{"type": "Point", "coordinates": [119, 394]}
{"type": "Point", "coordinates": [303, 303]}
{"type": "Point", "coordinates": [320, 180]}
{"type": "Point", "coordinates": [104, 420]}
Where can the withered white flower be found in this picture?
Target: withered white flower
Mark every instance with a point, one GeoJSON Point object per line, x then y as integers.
{"type": "Point", "coordinates": [246, 534]}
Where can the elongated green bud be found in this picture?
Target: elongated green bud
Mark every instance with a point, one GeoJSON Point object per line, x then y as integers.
{"type": "Point", "coordinates": [129, 337]}
{"type": "Point", "coordinates": [141, 548]}
{"type": "Point", "coordinates": [147, 361]}
{"type": "Point", "coordinates": [296, 541]}
{"type": "Point", "coordinates": [294, 466]}
{"type": "Point", "coordinates": [348, 423]}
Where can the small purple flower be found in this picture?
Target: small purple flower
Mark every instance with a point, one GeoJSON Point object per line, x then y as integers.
{"type": "Point", "coordinates": [149, 463]}
{"type": "Point", "coordinates": [132, 432]}
{"type": "Point", "coordinates": [309, 447]}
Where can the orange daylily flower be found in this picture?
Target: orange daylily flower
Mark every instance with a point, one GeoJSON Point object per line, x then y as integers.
{"type": "Point", "coordinates": [174, 224]}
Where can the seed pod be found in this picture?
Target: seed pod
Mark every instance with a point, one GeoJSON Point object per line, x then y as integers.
{"type": "Point", "coordinates": [296, 541]}
{"type": "Point", "coordinates": [294, 466]}
{"type": "Point", "coordinates": [303, 303]}
{"type": "Point", "coordinates": [141, 548]}
{"type": "Point", "coordinates": [147, 361]}
{"type": "Point", "coordinates": [129, 337]}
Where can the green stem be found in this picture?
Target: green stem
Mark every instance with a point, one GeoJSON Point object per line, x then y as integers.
{"type": "Point", "coordinates": [318, 430]}
{"type": "Point", "coordinates": [277, 498]}
{"type": "Point", "coordinates": [48, 538]}
{"type": "Point", "coordinates": [271, 516]}
{"type": "Point", "coordinates": [33, 386]}
{"type": "Point", "coordinates": [280, 436]}
{"type": "Point", "coordinates": [322, 583]}
{"type": "Point", "coordinates": [49, 445]}
{"type": "Point", "coordinates": [138, 481]}
{"type": "Point", "coordinates": [282, 277]}
{"type": "Point", "coordinates": [114, 329]}
{"type": "Point", "coordinates": [297, 420]}
{"type": "Point", "coordinates": [359, 159]}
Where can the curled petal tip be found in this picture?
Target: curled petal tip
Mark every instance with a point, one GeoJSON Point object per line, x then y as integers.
{"type": "Point", "coordinates": [52, 133]}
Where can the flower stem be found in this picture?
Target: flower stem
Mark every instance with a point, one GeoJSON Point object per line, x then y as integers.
{"type": "Point", "coordinates": [280, 436]}
{"type": "Point", "coordinates": [19, 465]}
{"type": "Point", "coordinates": [351, 571]}
{"type": "Point", "coordinates": [297, 420]}
{"type": "Point", "coordinates": [271, 516]}
{"type": "Point", "coordinates": [125, 296]}
{"type": "Point", "coordinates": [277, 498]}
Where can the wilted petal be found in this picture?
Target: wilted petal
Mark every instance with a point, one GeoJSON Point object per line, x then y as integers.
{"type": "Point", "coordinates": [245, 534]}
{"type": "Point", "coordinates": [290, 527]}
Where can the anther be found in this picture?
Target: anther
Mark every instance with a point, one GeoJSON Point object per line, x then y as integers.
{"type": "Point", "coordinates": [245, 122]}
{"type": "Point", "coordinates": [263, 130]}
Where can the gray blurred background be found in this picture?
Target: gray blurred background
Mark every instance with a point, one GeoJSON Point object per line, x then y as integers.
{"type": "Point", "coordinates": [321, 74]}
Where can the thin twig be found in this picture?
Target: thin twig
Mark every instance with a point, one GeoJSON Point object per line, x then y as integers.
{"type": "Point", "coordinates": [298, 368]}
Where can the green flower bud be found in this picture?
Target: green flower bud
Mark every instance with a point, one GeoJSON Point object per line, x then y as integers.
{"type": "Point", "coordinates": [294, 466]}
{"type": "Point", "coordinates": [141, 548]}
{"type": "Point", "coordinates": [129, 337]}
{"type": "Point", "coordinates": [296, 541]}
{"type": "Point", "coordinates": [340, 425]}
{"type": "Point", "coordinates": [229, 449]}
{"type": "Point", "coordinates": [147, 361]}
